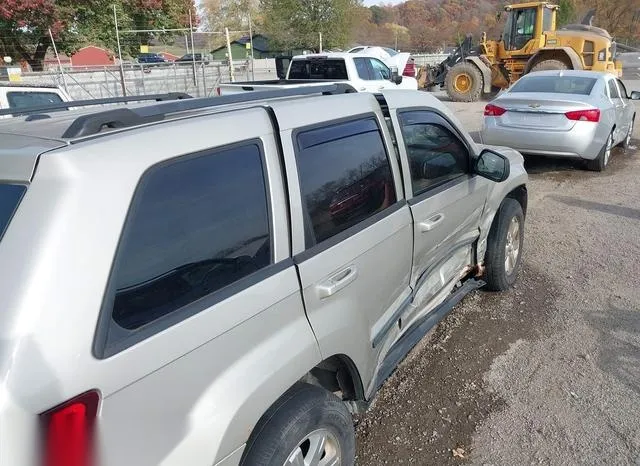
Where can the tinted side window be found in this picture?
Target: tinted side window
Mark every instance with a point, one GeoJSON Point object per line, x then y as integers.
{"type": "Point", "coordinates": [345, 176]}
{"type": "Point", "coordinates": [613, 90]}
{"type": "Point", "coordinates": [197, 225]}
{"type": "Point", "coordinates": [10, 196]}
{"type": "Point", "coordinates": [31, 99]}
{"type": "Point", "coordinates": [363, 69]}
{"type": "Point", "coordinates": [623, 89]}
{"type": "Point", "coordinates": [436, 155]}
{"type": "Point", "coordinates": [379, 70]}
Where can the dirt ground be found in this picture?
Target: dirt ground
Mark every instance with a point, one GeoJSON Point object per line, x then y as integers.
{"type": "Point", "coordinates": [549, 372]}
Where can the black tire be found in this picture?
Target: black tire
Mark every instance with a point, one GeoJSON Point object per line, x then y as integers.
{"type": "Point", "coordinates": [474, 76]}
{"type": "Point", "coordinates": [302, 410]}
{"type": "Point", "coordinates": [626, 143]}
{"type": "Point", "coordinates": [496, 275]}
{"type": "Point", "coordinates": [599, 164]}
{"type": "Point", "coordinates": [547, 65]}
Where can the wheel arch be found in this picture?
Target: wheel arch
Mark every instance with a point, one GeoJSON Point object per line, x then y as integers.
{"type": "Point", "coordinates": [338, 374]}
{"type": "Point", "coordinates": [521, 195]}
{"type": "Point", "coordinates": [564, 54]}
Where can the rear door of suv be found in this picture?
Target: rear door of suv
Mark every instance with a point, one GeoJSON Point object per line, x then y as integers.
{"type": "Point", "coordinates": [350, 223]}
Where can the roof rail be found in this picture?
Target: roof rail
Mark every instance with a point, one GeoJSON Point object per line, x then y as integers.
{"type": "Point", "coordinates": [93, 123]}
{"type": "Point", "coordinates": [89, 102]}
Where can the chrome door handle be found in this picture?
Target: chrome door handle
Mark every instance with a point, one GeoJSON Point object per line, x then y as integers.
{"type": "Point", "coordinates": [362, 89]}
{"type": "Point", "coordinates": [337, 282]}
{"type": "Point", "coordinates": [431, 223]}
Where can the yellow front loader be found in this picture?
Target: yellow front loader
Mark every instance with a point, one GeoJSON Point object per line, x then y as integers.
{"type": "Point", "coordinates": [529, 42]}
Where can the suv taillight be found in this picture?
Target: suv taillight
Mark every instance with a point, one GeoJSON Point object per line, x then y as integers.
{"type": "Point", "coordinates": [68, 431]}
{"type": "Point", "coordinates": [410, 69]}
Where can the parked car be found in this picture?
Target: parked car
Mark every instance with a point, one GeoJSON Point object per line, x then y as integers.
{"type": "Point", "coordinates": [572, 114]}
{"type": "Point", "coordinates": [364, 73]}
{"type": "Point", "coordinates": [151, 58]}
{"type": "Point", "coordinates": [22, 95]}
{"type": "Point", "coordinates": [197, 304]}
{"type": "Point", "coordinates": [392, 58]}
{"type": "Point", "coordinates": [191, 57]}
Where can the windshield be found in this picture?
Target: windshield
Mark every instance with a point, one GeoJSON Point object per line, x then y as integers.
{"type": "Point", "coordinates": [506, 34]}
{"type": "Point", "coordinates": [10, 196]}
{"type": "Point", "coordinates": [318, 68]}
{"type": "Point", "coordinates": [555, 84]}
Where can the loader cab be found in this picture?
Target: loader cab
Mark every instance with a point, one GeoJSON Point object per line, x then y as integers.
{"type": "Point", "coordinates": [526, 22]}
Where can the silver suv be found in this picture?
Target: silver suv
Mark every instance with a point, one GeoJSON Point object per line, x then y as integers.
{"type": "Point", "coordinates": [225, 281]}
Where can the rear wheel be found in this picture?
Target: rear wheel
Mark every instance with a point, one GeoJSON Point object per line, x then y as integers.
{"type": "Point", "coordinates": [602, 160]}
{"type": "Point", "coordinates": [546, 65]}
{"type": "Point", "coordinates": [464, 82]}
{"type": "Point", "coordinates": [308, 426]}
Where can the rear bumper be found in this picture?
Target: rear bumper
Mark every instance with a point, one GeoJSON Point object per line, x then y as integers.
{"type": "Point", "coordinates": [580, 142]}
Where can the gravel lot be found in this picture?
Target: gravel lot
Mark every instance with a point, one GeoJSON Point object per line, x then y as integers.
{"type": "Point", "coordinates": [549, 372]}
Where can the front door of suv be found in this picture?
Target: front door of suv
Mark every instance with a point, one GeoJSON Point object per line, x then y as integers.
{"type": "Point", "coordinates": [356, 263]}
{"type": "Point", "coordinates": [446, 200]}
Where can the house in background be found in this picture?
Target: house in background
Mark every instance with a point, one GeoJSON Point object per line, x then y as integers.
{"type": "Point", "coordinates": [241, 49]}
{"type": "Point", "coordinates": [92, 56]}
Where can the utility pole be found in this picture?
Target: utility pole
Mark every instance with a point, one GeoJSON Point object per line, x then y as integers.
{"type": "Point", "coordinates": [253, 73]}
{"type": "Point", "coordinates": [193, 52]}
{"type": "Point", "coordinates": [231, 77]}
{"type": "Point", "coordinates": [320, 42]}
{"type": "Point", "coordinates": [115, 19]}
{"type": "Point", "coordinates": [55, 50]}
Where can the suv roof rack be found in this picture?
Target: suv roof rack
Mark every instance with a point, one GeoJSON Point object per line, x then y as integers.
{"type": "Point", "coordinates": [90, 124]}
{"type": "Point", "coordinates": [89, 102]}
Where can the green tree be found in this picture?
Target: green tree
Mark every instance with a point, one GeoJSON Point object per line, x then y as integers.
{"type": "Point", "coordinates": [296, 24]}
{"type": "Point", "coordinates": [25, 25]}
{"type": "Point", "coordinates": [566, 12]}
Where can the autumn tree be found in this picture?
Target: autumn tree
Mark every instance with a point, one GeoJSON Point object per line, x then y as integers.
{"type": "Point", "coordinates": [296, 24]}
{"type": "Point", "coordinates": [25, 24]}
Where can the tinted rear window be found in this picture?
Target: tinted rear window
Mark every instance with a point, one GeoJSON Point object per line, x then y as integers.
{"type": "Point", "coordinates": [318, 69]}
{"type": "Point", "coordinates": [555, 84]}
{"type": "Point", "coordinates": [10, 195]}
{"type": "Point", "coordinates": [21, 99]}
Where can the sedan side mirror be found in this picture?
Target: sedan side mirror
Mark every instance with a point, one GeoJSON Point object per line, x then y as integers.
{"type": "Point", "coordinates": [492, 166]}
{"type": "Point", "coordinates": [635, 95]}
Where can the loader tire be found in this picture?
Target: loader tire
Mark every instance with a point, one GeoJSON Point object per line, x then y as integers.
{"type": "Point", "coordinates": [549, 65]}
{"type": "Point", "coordinates": [464, 82]}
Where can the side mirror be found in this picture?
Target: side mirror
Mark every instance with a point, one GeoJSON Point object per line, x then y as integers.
{"type": "Point", "coordinates": [492, 166]}
{"type": "Point", "coordinates": [635, 95]}
{"type": "Point", "coordinates": [396, 78]}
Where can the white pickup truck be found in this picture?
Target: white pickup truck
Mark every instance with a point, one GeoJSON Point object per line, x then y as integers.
{"type": "Point", "coordinates": [23, 95]}
{"type": "Point", "coordinates": [363, 72]}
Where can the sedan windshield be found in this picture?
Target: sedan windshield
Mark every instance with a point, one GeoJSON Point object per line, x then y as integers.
{"type": "Point", "coordinates": [555, 84]}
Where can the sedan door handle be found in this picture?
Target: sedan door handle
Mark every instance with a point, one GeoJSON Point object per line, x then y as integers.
{"type": "Point", "coordinates": [431, 223]}
{"type": "Point", "coordinates": [362, 89]}
{"type": "Point", "coordinates": [337, 282]}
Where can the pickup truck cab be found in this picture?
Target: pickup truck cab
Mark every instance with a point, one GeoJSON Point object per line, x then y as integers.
{"type": "Point", "coordinates": [363, 72]}
{"type": "Point", "coordinates": [21, 95]}
{"type": "Point", "coordinates": [224, 281]}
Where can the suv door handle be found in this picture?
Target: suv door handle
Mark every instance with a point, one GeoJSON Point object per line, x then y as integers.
{"type": "Point", "coordinates": [431, 223]}
{"type": "Point", "coordinates": [337, 282]}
